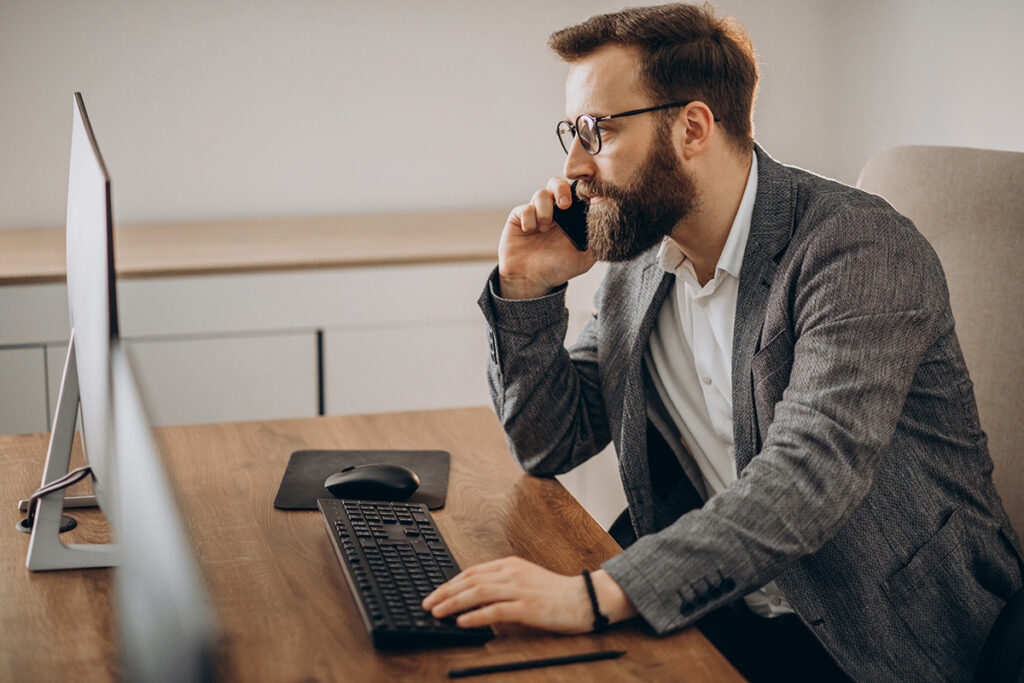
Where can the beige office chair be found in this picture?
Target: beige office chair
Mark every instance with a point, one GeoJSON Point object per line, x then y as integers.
{"type": "Point", "coordinates": [969, 203]}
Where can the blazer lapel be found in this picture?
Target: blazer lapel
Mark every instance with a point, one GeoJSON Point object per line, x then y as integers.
{"type": "Point", "coordinates": [771, 229]}
{"type": "Point", "coordinates": [654, 287]}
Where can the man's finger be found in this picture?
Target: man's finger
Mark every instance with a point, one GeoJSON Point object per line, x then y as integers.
{"type": "Point", "coordinates": [515, 216]}
{"type": "Point", "coordinates": [528, 218]}
{"type": "Point", "coordinates": [463, 582]}
{"type": "Point", "coordinates": [544, 203]}
{"type": "Point", "coordinates": [485, 567]}
{"type": "Point", "coordinates": [498, 613]}
{"type": "Point", "coordinates": [474, 596]}
{"type": "Point", "coordinates": [560, 191]}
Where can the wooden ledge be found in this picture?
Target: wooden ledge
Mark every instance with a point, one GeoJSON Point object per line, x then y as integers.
{"type": "Point", "coordinates": [234, 246]}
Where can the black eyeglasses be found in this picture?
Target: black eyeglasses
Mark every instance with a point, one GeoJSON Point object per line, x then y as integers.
{"type": "Point", "coordinates": [590, 133]}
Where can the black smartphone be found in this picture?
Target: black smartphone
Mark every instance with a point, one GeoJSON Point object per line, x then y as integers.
{"type": "Point", "coordinates": [573, 221]}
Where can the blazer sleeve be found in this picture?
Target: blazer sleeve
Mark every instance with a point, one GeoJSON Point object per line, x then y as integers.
{"type": "Point", "coordinates": [866, 293]}
{"type": "Point", "coordinates": [547, 399]}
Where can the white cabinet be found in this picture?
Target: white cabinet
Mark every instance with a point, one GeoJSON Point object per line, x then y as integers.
{"type": "Point", "coordinates": [368, 296]}
{"type": "Point", "coordinates": [244, 346]}
{"type": "Point", "coordinates": [56, 356]}
{"type": "Point", "coordinates": [595, 484]}
{"type": "Point", "coordinates": [33, 314]}
{"type": "Point", "coordinates": [22, 390]}
{"type": "Point", "coordinates": [225, 379]}
{"type": "Point", "coordinates": [406, 367]}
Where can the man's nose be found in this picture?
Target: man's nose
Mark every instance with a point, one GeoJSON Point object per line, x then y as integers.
{"type": "Point", "coordinates": [579, 163]}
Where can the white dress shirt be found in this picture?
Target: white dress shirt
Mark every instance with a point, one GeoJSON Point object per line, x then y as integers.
{"type": "Point", "coordinates": [689, 358]}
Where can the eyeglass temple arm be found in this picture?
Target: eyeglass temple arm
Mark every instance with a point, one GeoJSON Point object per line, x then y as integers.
{"type": "Point", "coordinates": [633, 112]}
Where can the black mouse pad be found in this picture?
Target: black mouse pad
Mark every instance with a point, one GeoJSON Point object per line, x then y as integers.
{"type": "Point", "coordinates": [303, 480]}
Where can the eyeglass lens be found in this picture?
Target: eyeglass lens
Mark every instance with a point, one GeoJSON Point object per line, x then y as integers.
{"type": "Point", "coordinates": [586, 128]}
{"type": "Point", "coordinates": [566, 133]}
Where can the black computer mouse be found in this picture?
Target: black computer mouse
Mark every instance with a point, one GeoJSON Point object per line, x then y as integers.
{"type": "Point", "coordinates": [373, 482]}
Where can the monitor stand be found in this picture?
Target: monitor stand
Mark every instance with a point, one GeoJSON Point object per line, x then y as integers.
{"type": "Point", "coordinates": [45, 549]}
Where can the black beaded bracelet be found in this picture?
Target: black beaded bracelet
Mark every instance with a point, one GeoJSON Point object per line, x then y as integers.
{"type": "Point", "coordinates": [600, 620]}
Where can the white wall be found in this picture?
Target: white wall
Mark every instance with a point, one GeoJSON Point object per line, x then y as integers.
{"type": "Point", "coordinates": [224, 109]}
{"type": "Point", "coordinates": [928, 72]}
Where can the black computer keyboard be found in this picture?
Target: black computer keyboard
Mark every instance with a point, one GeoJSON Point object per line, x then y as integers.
{"type": "Point", "coordinates": [393, 556]}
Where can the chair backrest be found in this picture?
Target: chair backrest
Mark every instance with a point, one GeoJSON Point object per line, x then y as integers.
{"type": "Point", "coordinates": [969, 204]}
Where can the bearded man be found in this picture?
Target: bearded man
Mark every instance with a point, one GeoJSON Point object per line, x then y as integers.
{"type": "Point", "coordinates": [773, 356]}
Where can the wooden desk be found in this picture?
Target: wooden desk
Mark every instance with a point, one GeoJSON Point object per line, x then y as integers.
{"type": "Point", "coordinates": [285, 611]}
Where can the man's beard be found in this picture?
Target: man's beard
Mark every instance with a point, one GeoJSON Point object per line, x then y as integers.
{"type": "Point", "coordinates": [632, 218]}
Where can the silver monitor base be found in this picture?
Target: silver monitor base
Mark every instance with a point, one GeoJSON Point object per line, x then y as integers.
{"type": "Point", "coordinates": [45, 549]}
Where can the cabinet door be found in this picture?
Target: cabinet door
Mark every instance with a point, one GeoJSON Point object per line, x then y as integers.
{"type": "Point", "coordinates": [33, 314]}
{"type": "Point", "coordinates": [56, 357]}
{"type": "Point", "coordinates": [22, 390]}
{"type": "Point", "coordinates": [406, 368]}
{"type": "Point", "coordinates": [292, 300]}
{"type": "Point", "coordinates": [579, 300]}
{"type": "Point", "coordinates": [222, 379]}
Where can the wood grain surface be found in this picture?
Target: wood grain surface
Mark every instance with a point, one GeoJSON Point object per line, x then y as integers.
{"type": "Point", "coordinates": [232, 246]}
{"type": "Point", "coordinates": [285, 612]}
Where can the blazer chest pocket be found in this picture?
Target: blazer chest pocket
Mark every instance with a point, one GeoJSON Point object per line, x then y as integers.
{"type": "Point", "coordinates": [770, 368]}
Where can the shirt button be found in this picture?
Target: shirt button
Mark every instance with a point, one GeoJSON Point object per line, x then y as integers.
{"type": "Point", "coordinates": [775, 602]}
{"type": "Point", "coordinates": [707, 380]}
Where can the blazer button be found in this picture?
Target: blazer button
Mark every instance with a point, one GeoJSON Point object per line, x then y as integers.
{"type": "Point", "coordinates": [687, 609]}
{"type": "Point", "coordinates": [728, 586]}
{"type": "Point", "coordinates": [714, 592]}
{"type": "Point", "coordinates": [700, 601]}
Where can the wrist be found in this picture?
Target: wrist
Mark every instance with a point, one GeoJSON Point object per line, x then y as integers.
{"type": "Point", "coordinates": [612, 600]}
{"type": "Point", "coordinates": [515, 288]}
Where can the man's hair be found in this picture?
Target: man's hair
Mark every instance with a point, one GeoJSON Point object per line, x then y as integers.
{"type": "Point", "coordinates": [686, 54]}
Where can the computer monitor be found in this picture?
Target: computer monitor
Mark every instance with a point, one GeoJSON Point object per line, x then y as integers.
{"type": "Point", "coordinates": [92, 295]}
{"type": "Point", "coordinates": [92, 305]}
{"type": "Point", "coordinates": [164, 619]}
{"type": "Point", "coordinates": [165, 622]}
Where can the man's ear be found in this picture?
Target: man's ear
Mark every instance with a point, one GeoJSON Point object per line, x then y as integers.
{"type": "Point", "coordinates": [692, 129]}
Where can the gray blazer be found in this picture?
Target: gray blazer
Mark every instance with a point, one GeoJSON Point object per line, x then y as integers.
{"type": "Point", "coordinates": [865, 487]}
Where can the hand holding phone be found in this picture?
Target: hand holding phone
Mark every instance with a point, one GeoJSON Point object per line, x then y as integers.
{"type": "Point", "coordinates": [573, 221]}
{"type": "Point", "coordinates": [533, 257]}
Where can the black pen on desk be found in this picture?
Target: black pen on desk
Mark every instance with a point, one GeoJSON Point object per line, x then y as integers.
{"type": "Point", "coordinates": [535, 663]}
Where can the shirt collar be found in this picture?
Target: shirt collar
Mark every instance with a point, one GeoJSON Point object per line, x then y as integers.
{"type": "Point", "coordinates": [670, 256]}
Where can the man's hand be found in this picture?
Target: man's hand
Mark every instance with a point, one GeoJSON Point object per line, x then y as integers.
{"type": "Point", "coordinates": [512, 590]}
{"type": "Point", "coordinates": [534, 256]}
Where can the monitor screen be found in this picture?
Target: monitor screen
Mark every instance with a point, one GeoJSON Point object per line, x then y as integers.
{"type": "Point", "coordinates": [92, 299]}
{"type": "Point", "coordinates": [164, 619]}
